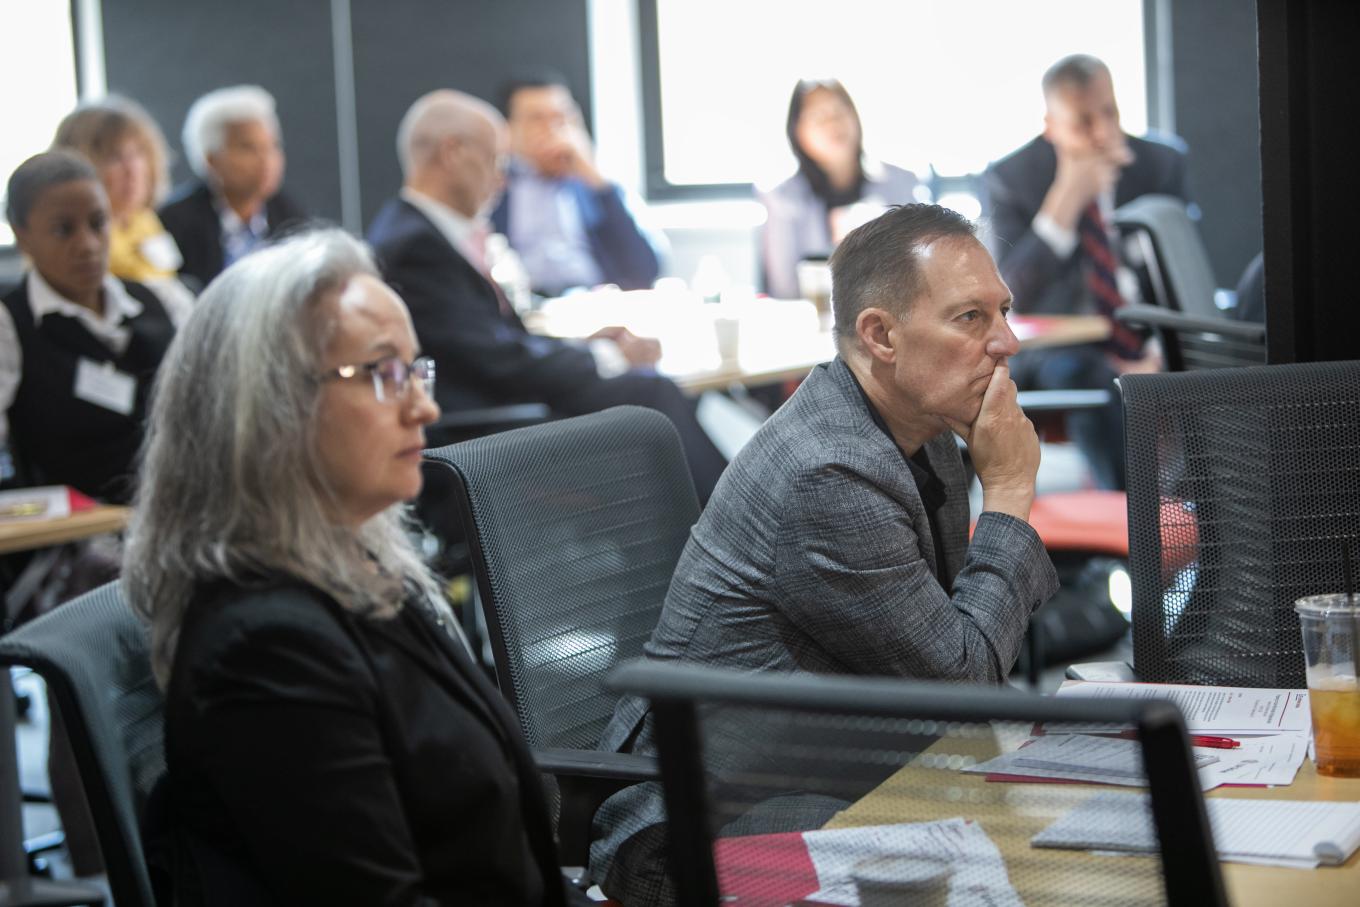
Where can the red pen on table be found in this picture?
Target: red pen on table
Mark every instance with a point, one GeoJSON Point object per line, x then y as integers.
{"type": "Point", "coordinates": [1218, 743]}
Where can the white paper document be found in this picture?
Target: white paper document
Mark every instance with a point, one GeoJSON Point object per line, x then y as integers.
{"type": "Point", "coordinates": [1228, 711]}
{"type": "Point", "coordinates": [44, 502]}
{"type": "Point", "coordinates": [979, 876]}
{"type": "Point", "coordinates": [1259, 760]}
{"type": "Point", "coordinates": [1295, 833]}
{"type": "Point", "coordinates": [1079, 757]}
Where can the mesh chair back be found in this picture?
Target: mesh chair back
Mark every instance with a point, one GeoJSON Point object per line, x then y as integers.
{"type": "Point", "coordinates": [92, 653]}
{"type": "Point", "coordinates": [575, 528]}
{"type": "Point", "coordinates": [1242, 485]}
{"type": "Point", "coordinates": [783, 788]}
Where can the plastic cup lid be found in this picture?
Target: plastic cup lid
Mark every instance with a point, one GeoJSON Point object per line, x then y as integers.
{"type": "Point", "coordinates": [901, 872]}
{"type": "Point", "coordinates": [1331, 603]}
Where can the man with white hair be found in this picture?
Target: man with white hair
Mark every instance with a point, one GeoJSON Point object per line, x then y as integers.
{"type": "Point", "coordinates": [429, 244]}
{"type": "Point", "coordinates": [232, 143]}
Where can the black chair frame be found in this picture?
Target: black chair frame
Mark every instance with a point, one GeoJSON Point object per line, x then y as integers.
{"type": "Point", "coordinates": [1190, 865]}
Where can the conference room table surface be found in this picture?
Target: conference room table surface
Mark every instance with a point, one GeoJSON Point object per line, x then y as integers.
{"type": "Point", "coordinates": [777, 340]}
{"type": "Point", "coordinates": [1013, 812]}
{"type": "Point", "coordinates": [33, 534]}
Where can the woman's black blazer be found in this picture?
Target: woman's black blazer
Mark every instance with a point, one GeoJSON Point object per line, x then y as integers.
{"type": "Point", "coordinates": [316, 756]}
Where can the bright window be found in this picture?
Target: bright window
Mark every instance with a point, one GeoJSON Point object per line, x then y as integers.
{"type": "Point", "coordinates": [951, 84]}
{"type": "Point", "coordinates": [38, 72]}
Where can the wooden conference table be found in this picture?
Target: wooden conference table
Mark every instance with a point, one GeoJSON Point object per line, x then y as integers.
{"type": "Point", "coordinates": [30, 535]}
{"type": "Point", "coordinates": [777, 339]}
{"type": "Point", "coordinates": [1012, 813]}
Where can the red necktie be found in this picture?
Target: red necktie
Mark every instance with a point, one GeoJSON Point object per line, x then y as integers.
{"type": "Point", "coordinates": [477, 248]}
{"type": "Point", "coordinates": [1100, 280]}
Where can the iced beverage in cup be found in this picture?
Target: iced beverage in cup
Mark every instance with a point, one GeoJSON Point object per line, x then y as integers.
{"type": "Point", "coordinates": [1331, 641]}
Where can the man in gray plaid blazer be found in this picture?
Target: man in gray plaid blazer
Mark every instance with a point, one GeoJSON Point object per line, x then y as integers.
{"type": "Point", "coordinates": [837, 540]}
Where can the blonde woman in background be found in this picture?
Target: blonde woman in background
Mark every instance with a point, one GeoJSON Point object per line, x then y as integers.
{"type": "Point", "coordinates": [128, 152]}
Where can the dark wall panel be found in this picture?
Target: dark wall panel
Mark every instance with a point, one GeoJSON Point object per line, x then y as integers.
{"type": "Point", "coordinates": [403, 50]}
{"type": "Point", "coordinates": [1214, 69]}
{"type": "Point", "coordinates": [165, 53]}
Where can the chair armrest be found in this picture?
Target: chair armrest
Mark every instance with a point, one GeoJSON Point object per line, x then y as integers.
{"type": "Point", "coordinates": [1110, 671]}
{"type": "Point", "coordinates": [597, 764]}
{"type": "Point", "coordinates": [1158, 317]}
{"type": "Point", "coordinates": [1062, 400]}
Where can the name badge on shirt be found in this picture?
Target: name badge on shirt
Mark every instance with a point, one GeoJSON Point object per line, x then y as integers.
{"type": "Point", "coordinates": [161, 252]}
{"type": "Point", "coordinates": [103, 385]}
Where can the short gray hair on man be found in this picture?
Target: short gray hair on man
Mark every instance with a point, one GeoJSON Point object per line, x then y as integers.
{"type": "Point", "coordinates": [39, 173]}
{"type": "Point", "coordinates": [205, 125]}
{"type": "Point", "coordinates": [878, 265]}
{"type": "Point", "coordinates": [1076, 70]}
{"type": "Point", "coordinates": [436, 116]}
{"type": "Point", "coordinates": [229, 486]}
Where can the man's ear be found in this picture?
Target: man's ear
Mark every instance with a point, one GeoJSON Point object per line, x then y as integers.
{"type": "Point", "coordinates": [1048, 127]}
{"type": "Point", "coordinates": [873, 327]}
{"type": "Point", "coordinates": [450, 146]}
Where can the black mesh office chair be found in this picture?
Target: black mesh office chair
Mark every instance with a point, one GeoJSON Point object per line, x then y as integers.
{"type": "Point", "coordinates": [1164, 245]}
{"type": "Point", "coordinates": [1242, 485]}
{"type": "Point", "coordinates": [575, 527]}
{"type": "Point", "coordinates": [873, 766]}
{"type": "Point", "coordinates": [92, 653]}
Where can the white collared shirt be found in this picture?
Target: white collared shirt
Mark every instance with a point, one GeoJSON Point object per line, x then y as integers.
{"type": "Point", "coordinates": [239, 238]}
{"type": "Point", "coordinates": [43, 300]}
{"type": "Point", "coordinates": [460, 231]}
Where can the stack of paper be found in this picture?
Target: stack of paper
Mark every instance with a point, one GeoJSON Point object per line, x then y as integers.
{"type": "Point", "coordinates": [1225, 711]}
{"type": "Point", "coordinates": [1112, 760]}
{"type": "Point", "coordinates": [1294, 833]}
{"type": "Point", "coordinates": [1079, 757]}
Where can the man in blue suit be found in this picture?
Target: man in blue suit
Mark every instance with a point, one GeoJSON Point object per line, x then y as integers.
{"type": "Point", "coordinates": [429, 243]}
{"type": "Point", "coordinates": [571, 226]}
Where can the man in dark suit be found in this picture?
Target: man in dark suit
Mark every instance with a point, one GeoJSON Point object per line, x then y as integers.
{"type": "Point", "coordinates": [837, 541]}
{"type": "Point", "coordinates": [1051, 205]}
{"type": "Point", "coordinates": [429, 243]}
{"type": "Point", "coordinates": [231, 141]}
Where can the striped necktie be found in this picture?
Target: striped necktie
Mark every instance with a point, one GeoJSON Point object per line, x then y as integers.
{"type": "Point", "coordinates": [1100, 280]}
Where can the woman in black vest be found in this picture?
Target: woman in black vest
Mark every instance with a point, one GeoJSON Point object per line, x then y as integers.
{"type": "Point", "coordinates": [78, 347]}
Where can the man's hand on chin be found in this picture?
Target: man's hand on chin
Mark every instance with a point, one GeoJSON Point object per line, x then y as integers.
{"type": "Point", "coordinates": [1004, 448]}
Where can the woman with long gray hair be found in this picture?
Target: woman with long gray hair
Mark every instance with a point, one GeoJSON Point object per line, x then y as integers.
{"type": "Point", "coordinates": [328, 737]}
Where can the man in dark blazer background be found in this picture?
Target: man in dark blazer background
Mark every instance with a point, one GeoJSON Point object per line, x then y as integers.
{"type": "Point", "coordinates": [1048, 202]}
{"type": "Point", "coordinates": [837, 540]}
{"type": "Point", "coordinates": [232, 143]}
{"type": "Point", "coordinates": [429, 242]}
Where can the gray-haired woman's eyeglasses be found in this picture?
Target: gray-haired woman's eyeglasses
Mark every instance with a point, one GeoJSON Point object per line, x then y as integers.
{"type": "Point", "coordinates": [391, 376]}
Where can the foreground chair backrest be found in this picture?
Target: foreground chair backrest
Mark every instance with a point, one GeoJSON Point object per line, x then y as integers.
{"type": "Point", "coordinates": [575, 528]}
{"type": "Point", "coordinates": [1243, 486]}
{"type": "Point", "coordinates": [751, 763]}
{"type": "Point", "coordinates": [93, 654]}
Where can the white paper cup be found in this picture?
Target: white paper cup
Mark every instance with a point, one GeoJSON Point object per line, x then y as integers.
{"type": "Point", "coordinates": [727, 331]}
{"type": "Point", "coordinates": [887, 881]}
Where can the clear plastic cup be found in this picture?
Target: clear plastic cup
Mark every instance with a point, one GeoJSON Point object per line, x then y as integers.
{"type": "Point", "coordinates": [1331, 645]}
